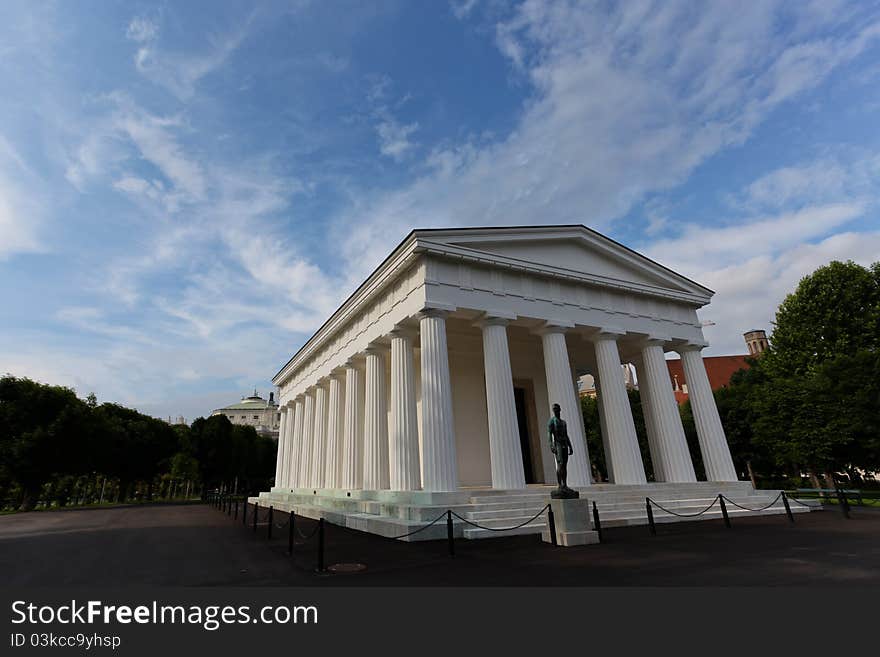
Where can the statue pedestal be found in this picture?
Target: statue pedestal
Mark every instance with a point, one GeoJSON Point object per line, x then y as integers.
{"type": "Point", "coordinates": [573, 523]}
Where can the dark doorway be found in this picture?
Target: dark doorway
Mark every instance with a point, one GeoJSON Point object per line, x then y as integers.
{"type": "Point", "coordinates": [519, 396]}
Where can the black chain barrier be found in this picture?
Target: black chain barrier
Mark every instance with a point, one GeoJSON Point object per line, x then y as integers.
{"type": "Point", "coordinates": [421, 529]}
{"type": "Point", "coordinates": [504, 529]}
{"type": "Point", "coordinates": [763, 508]}
{"type": "Point", "coordinates": [683, 515]}
{"type": "Point", "coordinates": [809, 506]}
{"type": "Point", "coordinates": [309, 537]}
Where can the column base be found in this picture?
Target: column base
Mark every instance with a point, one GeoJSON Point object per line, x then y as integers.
{"type": "Point", "coordinates": [573, 525]}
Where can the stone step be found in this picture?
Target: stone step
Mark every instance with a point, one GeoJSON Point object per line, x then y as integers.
{"type": "Point", "coordinates": [609, 520]}
{"type": "Point", "coordinates": [489, 509]}
{"type": "Point", "coordinates": [476, 533]}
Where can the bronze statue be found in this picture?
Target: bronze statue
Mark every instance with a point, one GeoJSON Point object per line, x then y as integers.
{"type": "Point", "coordinates": [560, 445]}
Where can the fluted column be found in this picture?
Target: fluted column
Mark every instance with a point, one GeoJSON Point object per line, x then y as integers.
{"type": "Point", "coordinates": [305, 453]}
{"type": "Point", "coordinates": [623, 443]}
{"type": "Point", "coordinates": [319, 430]}
{"type": "Point", "coordinates": [282, 441]}
{"type": "Point", "coordinates": [335, 422]}
{"type": "Point", "coordinates": [663, 410]}
{"type": "Point", "coordinates": [560, 390]}
{"type": "Point", "coordinates": [294, 451]}
{"type": "Point", "coordinates": [440, 470]}
{"type": "Point", "coordinates": [352, 436]}
{"type": "Point", "coordinates": [713, 443]}
{"type": "Point", "coordinates": [603, 430]}
{"type": "Point", "coordinates": [505, 450]}
{"type": "Point", "coordinates": [403, 432]}
{"type": "Point", "coordinates": [654, 444]}
{"type": "Point", "coordinates": [375, 422]}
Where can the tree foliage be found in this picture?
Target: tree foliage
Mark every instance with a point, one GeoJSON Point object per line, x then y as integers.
{"type": "Point", "coordinates": [812, 402]}
{"type": "Point", "coordinates": [54, 446]}
{"type": "Point", "coordinates": [835, 311]}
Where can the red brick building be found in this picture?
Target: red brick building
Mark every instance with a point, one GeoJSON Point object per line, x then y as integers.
{"type": "Point", "coordinates": [719, 369]}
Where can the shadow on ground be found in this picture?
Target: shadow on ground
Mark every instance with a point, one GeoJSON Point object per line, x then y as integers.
{"type": "Point", "coordinates": [198, 545]}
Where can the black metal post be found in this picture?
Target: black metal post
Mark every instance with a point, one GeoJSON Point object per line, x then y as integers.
{"type": "Point", "coordinates": [256, 513]}
{"type": "Point", "coordinates": [269, 528]}
{"type": "Point", "coordinates": [235, 517]}
{"type": "Point", "coordinates": [844, 503]}
{"type": "Point", "coordinates": [244, 512]}
{"type": "Point", "coordinates": [787, 507]}
{"type": "Point", "coordinates": [449, 537]}
{"type": "Point", "coordinates": [551, 523]}
{"type": "Point", "coordinates": [596, 524]}
{"type": "Point", "coordinates": [321, 545]}
{"type": "Point", "coordinates": [290, 530]}
{"type": "Point", "coordinates": [724, 511]}
{"type": "Point", "coordinates": [650, 516]}
{"type": "Point", "coordinates": [229, 509]}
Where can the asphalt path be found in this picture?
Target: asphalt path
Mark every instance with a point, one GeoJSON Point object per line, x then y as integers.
{"type": "Point", "coordinates": [197, 545]}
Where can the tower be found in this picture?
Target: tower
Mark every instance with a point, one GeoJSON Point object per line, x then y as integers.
{"type": "Point", "coordinates": [756, 341]}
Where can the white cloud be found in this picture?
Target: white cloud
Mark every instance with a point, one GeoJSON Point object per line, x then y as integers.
{"type": "Point", "coordinates": [180, 72]}
{"type": "Point", "coordinates": [394, 138]}
{"type": "Point", "coordinates": [749, 291]}
{"type": "Point", "coordinates": [142, 29]}
{"type": "Point", "coordinates": [21, 210]}
{"type": "Point", "coordinates": [753, 263]}
{"type": "Point", "coordinates": [628, 99]}
{"type": "Point", "coordinates": [699, 244]}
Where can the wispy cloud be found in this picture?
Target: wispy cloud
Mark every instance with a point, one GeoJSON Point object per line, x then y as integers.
{"type": "Point", "coordinates": [628, 100]}
{"type": "Point", "coordinates": [21, 211]}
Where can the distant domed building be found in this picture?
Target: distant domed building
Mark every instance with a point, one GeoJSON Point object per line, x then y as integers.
{"type": "Point", "coordinates": [256, 412]}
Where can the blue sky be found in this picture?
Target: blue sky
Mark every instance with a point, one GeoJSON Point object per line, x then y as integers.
{"type": "Point", "coordinates": [188, 189]}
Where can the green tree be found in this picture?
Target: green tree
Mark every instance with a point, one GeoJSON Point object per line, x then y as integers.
{"type": "Point", "coordinates": [41, 434]}
{"type": "Point", "coordinates": [834, 311]}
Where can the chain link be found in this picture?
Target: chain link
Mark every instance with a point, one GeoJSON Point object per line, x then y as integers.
{"type": "Point", "coordinates": [504, 529]}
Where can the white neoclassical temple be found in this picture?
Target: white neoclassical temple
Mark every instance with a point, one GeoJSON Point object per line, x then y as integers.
{"type": "Point", "coordinates": [431, 386]}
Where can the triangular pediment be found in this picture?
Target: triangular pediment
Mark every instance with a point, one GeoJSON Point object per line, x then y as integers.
{"type": "Point", "coordinates": [574, 249]}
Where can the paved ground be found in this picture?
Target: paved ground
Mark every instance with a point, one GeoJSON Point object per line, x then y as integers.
{"type": "Point", "coordinates": [196, 545]}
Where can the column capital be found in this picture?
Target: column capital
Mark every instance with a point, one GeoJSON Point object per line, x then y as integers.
{"type": "Point", "coordinates": [494, 318]}
{"type": "Point", "coordinates": [376, 349]}
{"type": "Point", "coordinates": [435, 309]}
{"type": "Point", "coordinates": [691, 346]}
{"type": "Point", "coordinates": [402, 331]}
{"type": "Point", "coordinates": [354, 362]}
{"type": "Point", "coordinates": [655, 341]}
{"type": "Point", "coordinates": [553, 326]}
{"type": "Point", "coordinates": [606, 333]}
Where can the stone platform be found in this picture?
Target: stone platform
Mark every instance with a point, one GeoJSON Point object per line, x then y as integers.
{"type": "Point", "coordinates": [395, 513]}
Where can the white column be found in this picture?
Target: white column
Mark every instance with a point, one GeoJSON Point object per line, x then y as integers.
{"type": "Point", "coordinates": [505, 450]}
{"type": "Point", "coordinates": [305, 453]}
{"type": "Point", "coordinates": [279, 457]}
{"type": "Point", "coordinates": [677, 464]}
{"type": "Point", "coordinates": [403, 432]}
{"type": "Point", "coordinates": [294, 451]}
{"type": "Point", "coordinates": [352, 438]}
{"type": "Point", "coordinates": [713, 443]}
{"type": "Point", "coordinates": [319, 444]}
{"type": "Point", "coordinates": [654, 444]}
{"type": "Point", "coordinates": [375, 422]}
{"type": "Point", "coordinates": [440, 470]}
{"type": "Point", "coordinates": [335, 423]}
{"type": "Point", "coordinates": [560, 390]}
{"type": "Point", "coordinates": [623, 443]}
